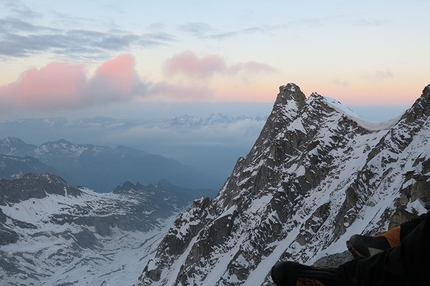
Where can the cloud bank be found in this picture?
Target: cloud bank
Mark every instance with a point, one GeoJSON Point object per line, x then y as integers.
{"type": "Point", "coordinates": [189, 64]}
{"type": "Point", "coordinates": [65, 86]}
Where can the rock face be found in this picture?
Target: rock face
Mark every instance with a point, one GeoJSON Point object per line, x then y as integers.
{"type": "Point", "coordinates": [52, 233]}
{"type": "Point", "coordinates": [316, 175]}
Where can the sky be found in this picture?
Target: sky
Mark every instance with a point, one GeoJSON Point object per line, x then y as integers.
{"type": "Point", "coordinates": [147, 58]}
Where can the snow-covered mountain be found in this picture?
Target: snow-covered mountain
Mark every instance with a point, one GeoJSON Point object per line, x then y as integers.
{"type": "Point", "coordinates": [98, 167]}
{"type": "Point", "coordinates": [54, 234]}
{"type": "Point", "coordinates": [316, 175]}
{"type": "Point", "coordinates": [13, 167]}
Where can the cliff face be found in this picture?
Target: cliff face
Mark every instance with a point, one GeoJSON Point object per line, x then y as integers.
{"type": "Point", "coordinates": [316, 175]}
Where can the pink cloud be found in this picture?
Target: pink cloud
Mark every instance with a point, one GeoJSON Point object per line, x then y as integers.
{"type": "Point", "coordinates": [189, 64]}
{"type": "Point", "coordinates": [114, 80]}
{"type": "Point", "coordinates": [50, 87]}
{"type": "Point", "coordinates": [252, 67]}
{"type": "Point", "coordinates": [60, 86]}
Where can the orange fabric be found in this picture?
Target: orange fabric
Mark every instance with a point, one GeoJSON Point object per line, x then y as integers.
{"type": "Point", "coordinates": [392, 236]}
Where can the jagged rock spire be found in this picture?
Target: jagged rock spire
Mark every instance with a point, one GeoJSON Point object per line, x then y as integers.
{"type": "Point", "coordinates": [288, 92]}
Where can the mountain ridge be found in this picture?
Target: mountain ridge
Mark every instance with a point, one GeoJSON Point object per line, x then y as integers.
{"type": "Point", "coordinates": [315, 176]}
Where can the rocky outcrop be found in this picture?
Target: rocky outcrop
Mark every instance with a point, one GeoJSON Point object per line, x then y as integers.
{"type": "Point", "coordinates": [7, 235]}
{"type": "Point", "coordinates": [316, 175]}
{"type": "Point", "coordinates": [33, 186]}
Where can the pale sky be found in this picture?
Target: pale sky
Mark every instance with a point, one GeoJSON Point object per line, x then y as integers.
{"type": "Point", "coordinates": [96, 57]}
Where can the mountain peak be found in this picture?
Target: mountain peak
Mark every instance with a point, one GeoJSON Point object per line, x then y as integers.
{"type": "Point", "coordinates": [290, 92]}
{"type": "Point", "coordinates": [289, 87]}
{"type": "Point", "coordinates": [419, 112]}
{"type": "Point", "coordinates": [426, 90]}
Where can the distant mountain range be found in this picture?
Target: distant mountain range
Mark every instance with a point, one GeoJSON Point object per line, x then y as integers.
{"type": "Point", "coordinates": [61, 124]}
{"type": "Point", "coordinates": [214, 119]}
{"type": "Point", "coordinates": [209, 144]}
{"type": "Point", "coordinates": [97, 167]}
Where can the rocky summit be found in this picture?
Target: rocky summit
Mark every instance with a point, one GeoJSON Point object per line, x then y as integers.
{"type": "Point", "coordinates": [316, 175]}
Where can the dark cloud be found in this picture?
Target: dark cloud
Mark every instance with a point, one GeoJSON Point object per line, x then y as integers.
{"type": "Point", "coordinates": [12, 25]}
{"type": "Point", "coordinates": [20, 38]}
